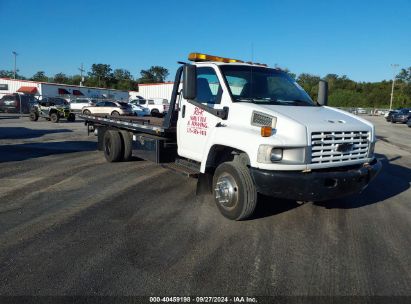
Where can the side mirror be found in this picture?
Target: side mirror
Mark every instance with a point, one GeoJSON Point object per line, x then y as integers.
{"type": "Point", "coordinates": [323, 92]}
{"type": "Point", "coordinates": [189, 81]}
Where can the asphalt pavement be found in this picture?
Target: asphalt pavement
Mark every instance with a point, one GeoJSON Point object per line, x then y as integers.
{"type": "Point", "coordinates": [73, 224]}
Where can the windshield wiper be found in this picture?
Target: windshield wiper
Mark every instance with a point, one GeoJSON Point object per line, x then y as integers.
{"type": "Point", "coordinates": [257, 99]}
{"type": "Point", "coordinates": [271, 99]}
{"type": "Point", "coordinates": [298, 102]}
{"type": "Point", "coordinates": [247, 99]}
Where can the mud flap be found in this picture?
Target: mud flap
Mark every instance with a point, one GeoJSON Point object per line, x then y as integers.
{"type": "Point", "coordinates": [204, 184]}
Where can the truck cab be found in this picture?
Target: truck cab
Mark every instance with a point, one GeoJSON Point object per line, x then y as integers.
{"type": "Point", "coordinates": [253, 129]}
{"type": "Point", "coordinates": [260, 118]}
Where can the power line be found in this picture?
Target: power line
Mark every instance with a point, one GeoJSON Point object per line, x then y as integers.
{"type": "Point", "coordinates": [15, 63]}
{"type": "Point", "coordinates": [394, 67]}
{"type": "Point", "coordinates": [81, 69]}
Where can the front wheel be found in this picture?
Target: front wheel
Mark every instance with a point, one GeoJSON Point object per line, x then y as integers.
{"type": "Point", "coordinates": [234, 190]}
{"type": "Point", "coordinates": [115, 113]}
{"type": "Point", "coordinates": [155, 112]}
{"type": "Point", "coordinates": [86, 112]}
{"type": "Point", "coordinates": [54, 117]}
{"type": "Point", "coordinates": [34, 116]}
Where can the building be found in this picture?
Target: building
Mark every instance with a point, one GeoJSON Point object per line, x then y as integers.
{"type": "Point", "coordinates": [162, 90]}
{"type": "Point", "coordinates": [48, 89]}
{"type": "Point", "coordinates": [153, 90]}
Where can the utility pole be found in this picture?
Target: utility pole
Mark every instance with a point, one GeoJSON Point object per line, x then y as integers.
{"type": "Point", "coordinates": [81, 69]}
{"type": "Point", "coordinates": [394, 67]}
{"type": "Point", "coordinates": [15, 63]}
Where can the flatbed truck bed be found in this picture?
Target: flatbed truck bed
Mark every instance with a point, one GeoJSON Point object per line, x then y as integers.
{"type": "Point", "coordinates": [151, 125]}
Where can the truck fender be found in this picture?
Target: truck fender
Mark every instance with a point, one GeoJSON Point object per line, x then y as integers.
{"type": "Point", "coordinates": [218, 154]}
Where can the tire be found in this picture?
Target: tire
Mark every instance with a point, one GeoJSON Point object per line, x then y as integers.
{"type": "Point", "coordinates": [155, 112]}
{"type": "Point", "coordinates": [127, 145]}
{"type": "Point", "coordinates": [243, 195]}
{"type": "Point", "coordinates": [113, 146]}
{"type": "Point", "coordinates": [115, 113]}
{"type": "Point", "coordinates": [86, 112]}
{"type": "Point", "coordinates": [34, 116]}
{"type": "Point", "coordinates": [71, 117]}
{"type": "Point", "coordinates": [54, 117]}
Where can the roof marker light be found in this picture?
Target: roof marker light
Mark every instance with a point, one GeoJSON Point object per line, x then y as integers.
{"type": "Point", "coordinates": [200, 57]}
{"type": "Point", "coordinates": [204, 57]}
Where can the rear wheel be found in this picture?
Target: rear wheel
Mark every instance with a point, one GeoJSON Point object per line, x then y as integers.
{"type": "Point", "coordinates": [234, 190]}
{"type": "Point", "coordinates": [54, 117]}
{"type": "Point", "coordinates": [34, 116]}
{"type": "Point", "coordinates": [115, 113]}
{"type": "Point", "coordinates": [127, 144]}
{"type": "Point", "coordinates": [71, 117]}
{"type": "Point", "coordinates": [113, 146]}
{"type": "Point", "coordinates": [86, 112]}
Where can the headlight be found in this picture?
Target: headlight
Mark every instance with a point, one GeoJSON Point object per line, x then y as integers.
{"type": "Point", "coordinates": [268, 154]}
{"type": "Point", "coordinates": [276, 154]}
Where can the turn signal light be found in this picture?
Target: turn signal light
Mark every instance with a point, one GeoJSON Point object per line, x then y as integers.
{"type": "Point", "coordinates": [266, 131]}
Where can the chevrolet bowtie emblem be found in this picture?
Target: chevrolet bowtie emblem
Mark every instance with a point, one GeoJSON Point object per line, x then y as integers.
{"type": "Point", "coordinates": [343, 148]}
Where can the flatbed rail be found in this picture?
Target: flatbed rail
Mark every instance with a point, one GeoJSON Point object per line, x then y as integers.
{"type": "Point", "coordinates": [150, 125]}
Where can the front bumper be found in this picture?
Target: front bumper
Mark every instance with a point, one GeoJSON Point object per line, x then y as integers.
{"type": "Point", "coordinates": [318, 185]}
{"type": "Point", "coordinates": [400, 119]}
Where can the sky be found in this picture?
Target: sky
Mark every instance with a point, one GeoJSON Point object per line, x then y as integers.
{"type": "Point", "coordinates": [360, 39]}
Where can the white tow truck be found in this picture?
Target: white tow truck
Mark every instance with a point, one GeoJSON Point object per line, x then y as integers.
{"type": "Point", "coordinates": [243, 128]}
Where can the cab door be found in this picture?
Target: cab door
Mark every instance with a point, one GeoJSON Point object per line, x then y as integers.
{"type": "Point", "coordinates": [197, 118]}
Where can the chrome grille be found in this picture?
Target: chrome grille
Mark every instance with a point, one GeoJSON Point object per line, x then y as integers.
{"type": "Point", "coordinates": [331, 147]}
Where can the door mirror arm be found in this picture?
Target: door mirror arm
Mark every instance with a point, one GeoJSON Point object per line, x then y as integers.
{"type": "Point", "coordinates": [221, 113]}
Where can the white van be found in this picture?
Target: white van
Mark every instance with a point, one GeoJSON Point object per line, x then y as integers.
{"type": "Point", "coordinates": [157, 106]}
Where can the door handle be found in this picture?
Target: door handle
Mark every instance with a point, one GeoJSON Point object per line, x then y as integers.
{"type": "Point", "coordinates": [183, 114]}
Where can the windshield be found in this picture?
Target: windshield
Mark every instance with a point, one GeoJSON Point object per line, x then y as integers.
{"type": "Point", "coordinates": [264, 86]}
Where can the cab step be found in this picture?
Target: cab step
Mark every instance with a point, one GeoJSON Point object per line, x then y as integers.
{"type": "Point", "coordinates": [184, 167]}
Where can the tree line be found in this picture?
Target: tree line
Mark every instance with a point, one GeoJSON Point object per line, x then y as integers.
{"type": "Point", "coordinates": [343, 92]}
{"type": "Point", "coordinates": [100, 75]}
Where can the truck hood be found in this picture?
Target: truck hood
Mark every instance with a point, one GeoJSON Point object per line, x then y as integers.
{"type": "Point", "coordinates": [319, 118]}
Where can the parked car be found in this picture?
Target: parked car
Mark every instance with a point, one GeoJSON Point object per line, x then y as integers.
{"type": "Point", "coordinates": [11, 103]}
{"type": "Point", "coordinates": [114, 108]}
{"type": "Point", "coordinates": [401, 116]}
{"type": "Point", "coordinates": [51, 108]}
{"type": "Point", "coordinates": [157, 106]}
{"type": "Point", "coordinates": [140, 110]}
{"type": "Point", "coordinates": [390, 114]}
{"type": "Point", "coordinates": [360, 111]}
{"type": "Point", "coordinates": [76, 105]}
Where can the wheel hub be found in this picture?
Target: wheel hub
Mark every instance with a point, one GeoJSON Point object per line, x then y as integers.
{"type": "Point", "coordinates": [226, 191]}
